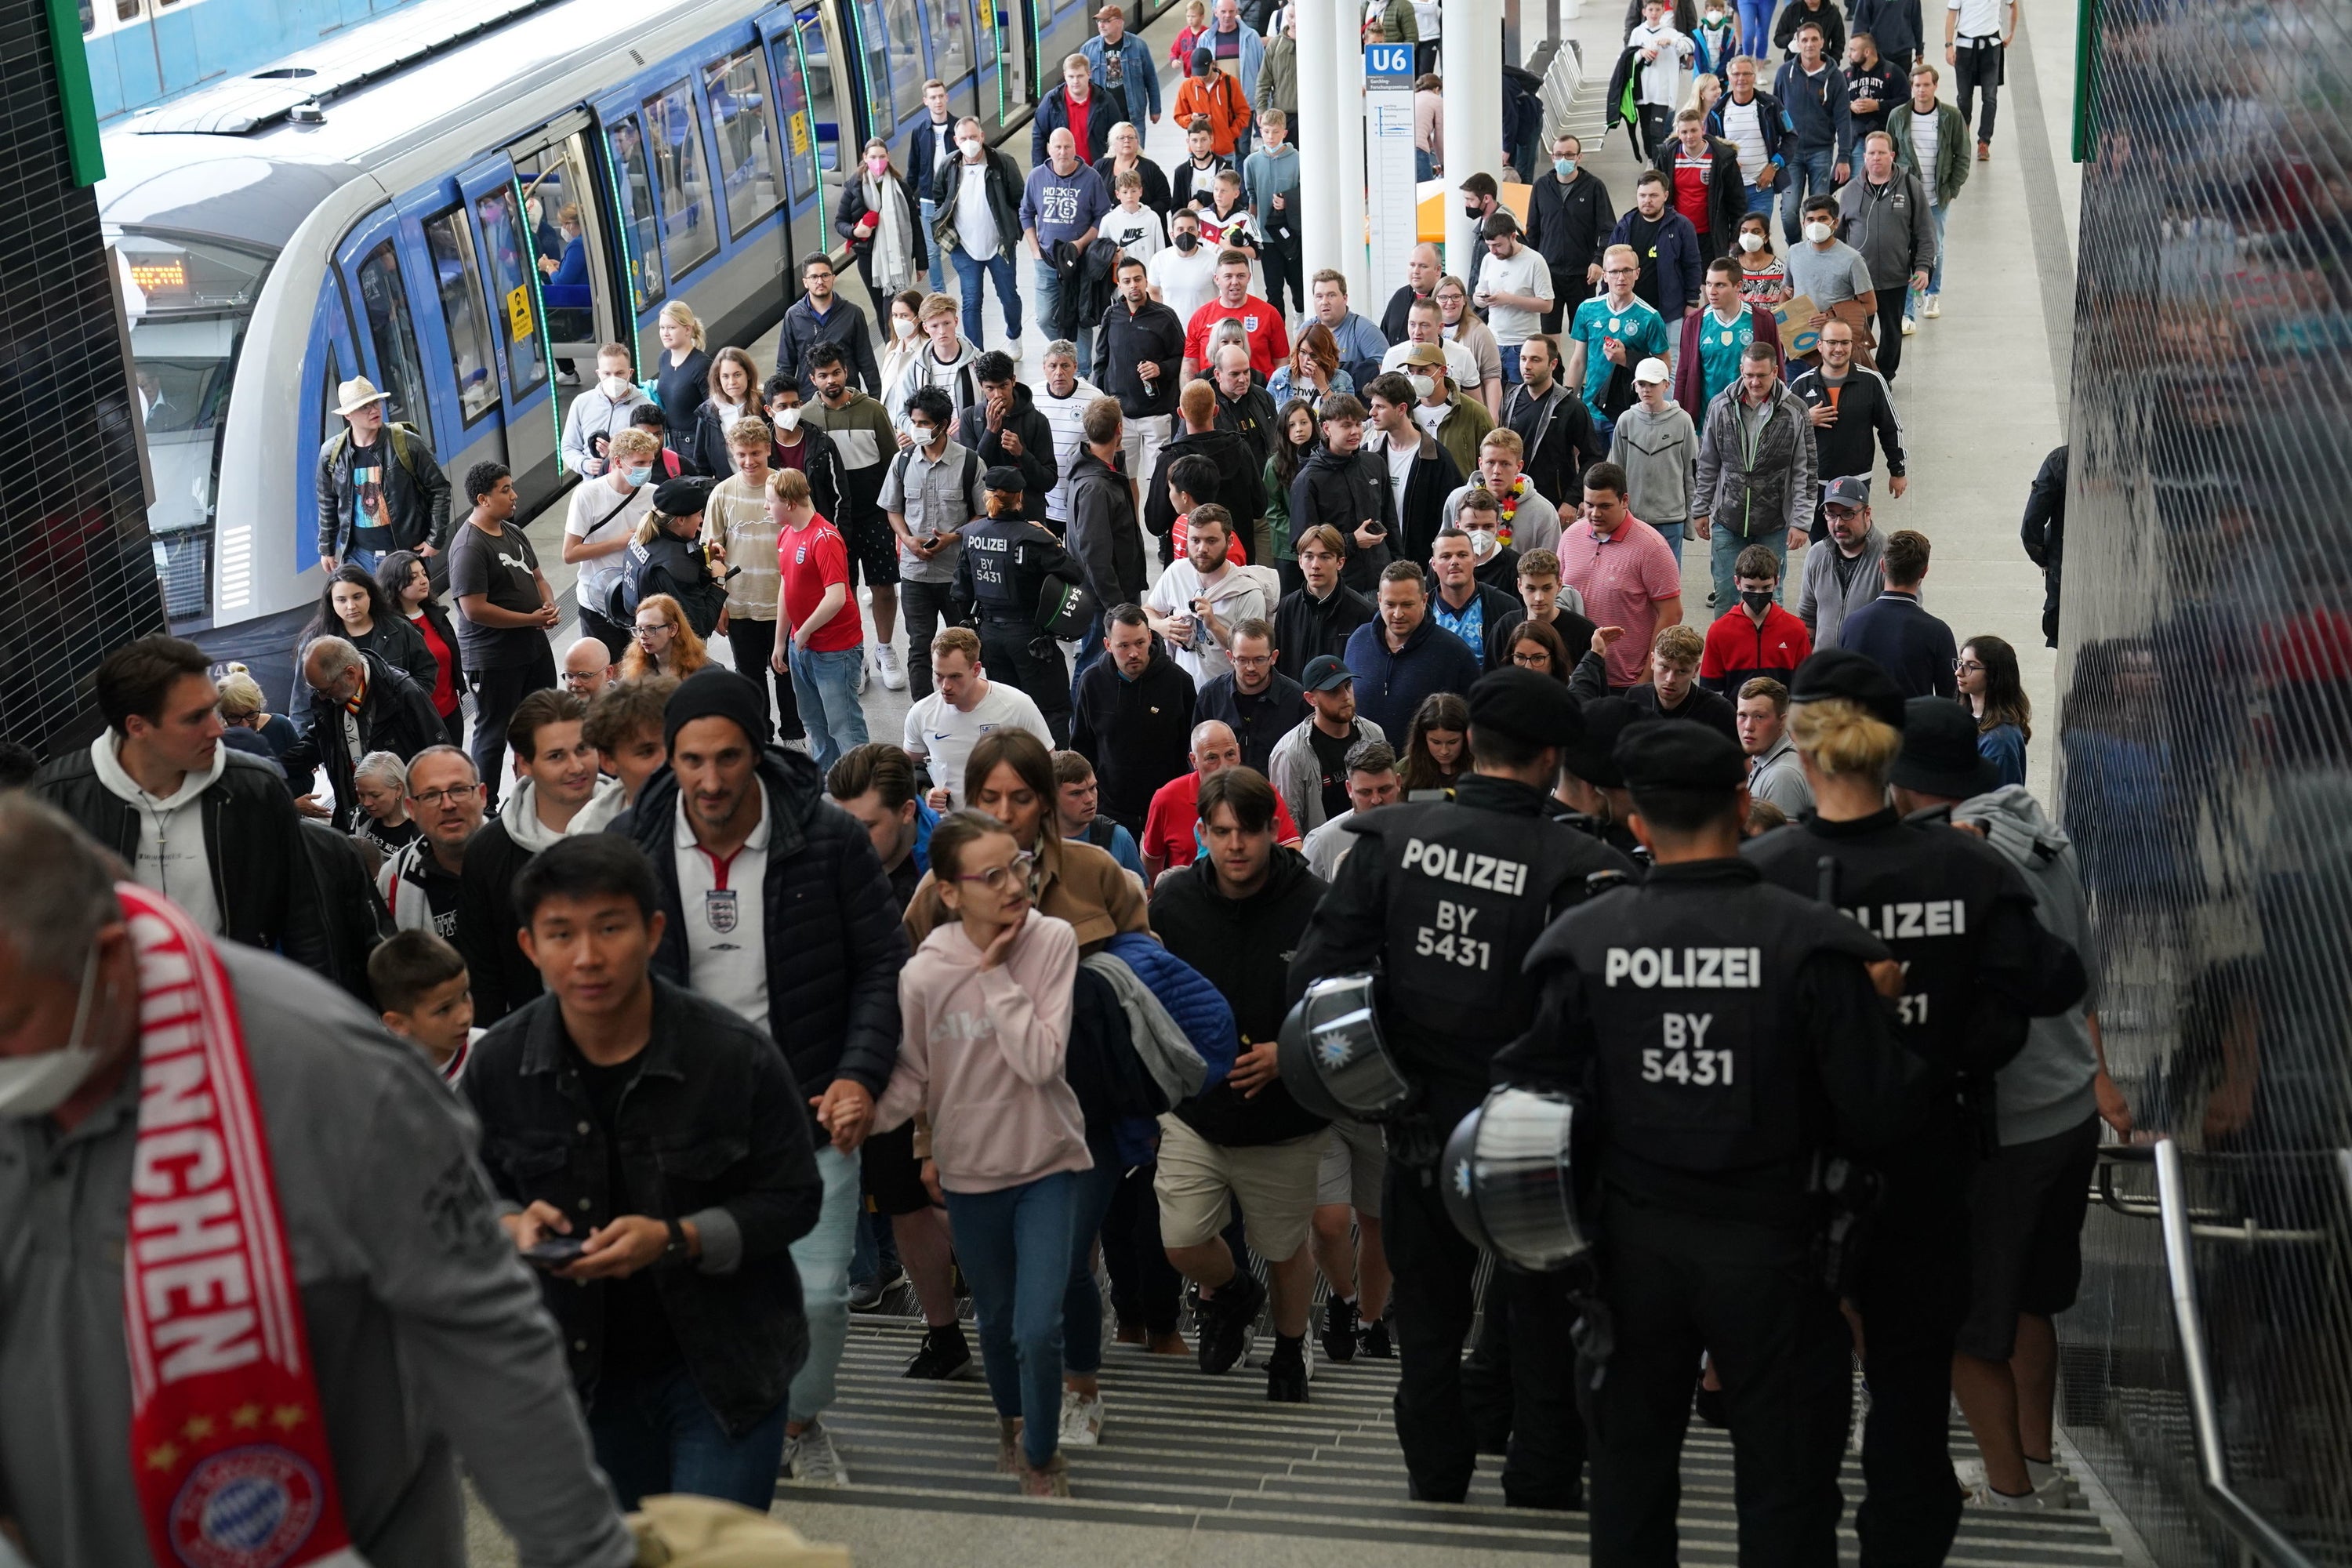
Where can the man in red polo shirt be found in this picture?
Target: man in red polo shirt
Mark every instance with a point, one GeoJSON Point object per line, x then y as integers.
{"type": "Point", "coordinates": [1171, 828]}
{"type": "Point", "coordinates": [1756, 636]}
{"type": "Point", "coordinates": [1269, 339]}
{"type": "Point", "coordinates": [828, 639]}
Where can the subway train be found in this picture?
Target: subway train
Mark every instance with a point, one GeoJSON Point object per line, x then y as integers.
{"type": "Point", "coordinates": [379, 205]}
{"type": "Point", "coordinates": [143, 52]}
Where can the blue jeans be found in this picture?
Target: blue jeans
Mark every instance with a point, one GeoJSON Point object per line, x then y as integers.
{"type": "Point", "coordinates": [930, 216]}
{"type": "Point", "coordinates": [825, 687]}
{"type": "Point", "coordinates": [1935, 273]}
{"type": "Point", "coordinates": [823, 1256]}
{"type": "Point", "coordinates": [1759, 202]}
{"type": "Point", "coordinates": [366, 560]}
{"type": "Point", "coordinates": [1048, 284]}
{"type": "Point", "coordinates": [1808, 176]}
{"type": "Point", "coordinates": [1008, 293]}
{"type": "Point", "coordinates": [1671, 532]}
{"type": "Point", "coordinates": [1082, 1303]}
{"type": "Point", "coordinates": [1422, 169]}
{"type": "Point", "coordinates": [1510, 353]}
{"type": "Point", "coordinates": [1755, 29]}
{"type": "Point", "coordinates": [1014, 1247]}
{"type": "Point", "coordinates": [1728, 544]}
{"type": "Point", "coordinates": [653, 1434]}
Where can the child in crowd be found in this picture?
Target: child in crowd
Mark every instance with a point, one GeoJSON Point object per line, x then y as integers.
{"type": "Point", "coordinates": [420, 983]}
{"type": "Point", "coordinates": [1196, 22]}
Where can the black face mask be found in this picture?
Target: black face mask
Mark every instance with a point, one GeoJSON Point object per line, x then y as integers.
{"type": "Point", "coordinates": [1756, 598]}
{"type": "Point", "coordinates": [1186, 239]}
{"type": "Point", "coordinates": [1473, 214]}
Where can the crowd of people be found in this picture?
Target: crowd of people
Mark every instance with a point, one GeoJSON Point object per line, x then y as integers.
{"type": "Point", "coordinates": [752, 1008]}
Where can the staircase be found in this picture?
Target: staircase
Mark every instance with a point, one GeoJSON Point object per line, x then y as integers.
{"type": "Point", "coordinates": [1193, 1453]}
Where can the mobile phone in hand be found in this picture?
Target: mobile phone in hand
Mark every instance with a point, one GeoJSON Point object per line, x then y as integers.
{"type": "Point", "coordinates": [554, 1252]}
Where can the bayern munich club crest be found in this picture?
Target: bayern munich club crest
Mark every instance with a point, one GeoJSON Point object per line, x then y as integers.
{"type": "Point", "coordinates": [247, 1507]}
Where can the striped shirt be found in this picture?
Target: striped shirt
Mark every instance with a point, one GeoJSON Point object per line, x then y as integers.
{"type": "Point", "coordinates": [735, 515]}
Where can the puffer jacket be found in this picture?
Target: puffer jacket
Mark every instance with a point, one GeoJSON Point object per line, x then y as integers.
{"type": "Point", "coordinates": [1753, 492]}
{"type": "Point", "coordinates": [1343, 492]}
{"type": "Point", "coordinates": [835, 944]}
{"type": "Point", "coordinates": [1199, 1008]}
{"type": "Point", "coordinates": [261, 873]}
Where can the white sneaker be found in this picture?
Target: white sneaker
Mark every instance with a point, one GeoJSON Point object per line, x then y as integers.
{"type": "Point", "coordinates": [1082, 1420]}
{"type": "Point", "coordinates": [1935, 306]}
{"type": "Point", "coordinates": [812, 1460]}
{"type": "Point", "coordinates": [885, 658]}
{"type": "Point", "coordinates": [2051, 1484]}
{"type": "Point", "coordinates": [1984, 1497]}
{"type": "Point", "coordinates": [1909, 326]}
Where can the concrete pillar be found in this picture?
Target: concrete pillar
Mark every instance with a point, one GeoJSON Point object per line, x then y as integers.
{"type": "Point", "coordinates": [1348, 171]}
{"type": "Point", "coordinates": [1473, 31]}
{"type": "Point", "coordinates": [1319, 22]}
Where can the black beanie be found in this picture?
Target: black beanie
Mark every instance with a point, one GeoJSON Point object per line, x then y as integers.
{"type": "Point", "coordinates": [712, 693]}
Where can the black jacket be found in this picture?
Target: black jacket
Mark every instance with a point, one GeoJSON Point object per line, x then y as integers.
{"type": "Point", "coordinates": [1711, 708]}
{"type": "Point", "coordinates": [447, 632]}
{"type": "Point", "coordinates": [1569, 226]}
{"type": "Point", "coordinates": [393, 637]}
{"type": "Point", "coordinates": [415, 492]}
{"type": "Point", "coordinates": [1085, 273]}
{"type": "Point", "coordinates": [828, 480]}
{"type": "Point", "coordinates": [1344, 491]}
{"type": "Point", "coordinates": [921, 164]}
{"type": "Point", "coordinates": [1305, 628]}
{"type": "Point", "coordinates": [1241, 489]}
{"type": "Point", "coordinates": [668, 565]}
{"type": "Point", "coordinates": [354, 919]}
{"type": "Point", "coordinates": [844, 324]}
{"type": "Point", "coordinates": [1727, 197]}
{"type": "Point", "coordinates": [1102, 534]}
{"type": "Point", "coordinates": [1156, 193]}
{"type": "Point", "coordinates": [706, 449]}
{"type": "Point", "coordinates": [1794, 15]}
{"type": "Point", "coordinates": [1054, 114]}
{"type": "Point", "coordinates": [835, 944]}
{"type": "Point", "coordinates": [2043, 532]}
{"type": "Point", "coordinates": [1257, 722]}
{"type": "Point", "coordinates": [1420, 512]}
{"type": "Point", "coordinates": [1865, 408]}
{"type": "Point", "coordinates": [1138, 733]}
{"type": "Point", "coordinates": [1128, 338]}
{"type": "Point", "coordinates": [1003, 186]}
{"type": "Point", "coordinates": [253, 836]}
{"type": "Point", "coordinates": [1575, 631]}
{"type": "Point", "coordinates": [1393, 319]}
{"type": "Point", "coordinates": [1243, 947]}
{"type": "Point", "coordinates": [396, 715]}
{"type": "Point", "coordinates": [1894, 27]}
{"type": "Point", "coordinates": [503, 979]}
{"type": "Point", "coordinates": [1556, 433]}
{"type": "Point", "coordinates": [708, 1134]}
{"type": "Point", "coordinates": [854, 206]}
{"type": "Point", "coordinates": [1254, 416]}
{"type": "Point", "coordinates": [1780, 131]}
{"type": "Point", "coordinates": [1035, 462]}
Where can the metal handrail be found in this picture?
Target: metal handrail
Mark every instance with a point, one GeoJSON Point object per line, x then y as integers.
{"type": "Point", "coordinates": [2205, 1225]}
{"type": "Point", "coordinates": [2231, 1511]}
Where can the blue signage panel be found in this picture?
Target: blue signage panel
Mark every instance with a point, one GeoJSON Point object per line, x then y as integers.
{"type": "Point", "coordinates": [1388, 65]}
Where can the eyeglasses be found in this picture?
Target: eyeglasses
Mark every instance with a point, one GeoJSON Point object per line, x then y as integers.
{"type": "Point", "coordinates": [654, 628]}
{"type": "Point", "coordinates": [1022, 870]}
{"type": "Point", "coordinates": [455, 794]}
{"type": "Point", "coordinates": [1967, 667]}
{"type": "Point", "coordinates": [1536, 660]}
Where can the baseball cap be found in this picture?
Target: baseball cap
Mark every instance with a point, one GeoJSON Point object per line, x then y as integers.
{"type": "Point", "coordinates": [1653, 369]}
{"type": "Point", "coordinates": [1853, 489]}
{"type": "Point", "coordinates": [1326, 673]}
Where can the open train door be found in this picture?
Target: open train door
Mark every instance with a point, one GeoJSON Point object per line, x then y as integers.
{"type": "Point", "coordinates": [510, 283]}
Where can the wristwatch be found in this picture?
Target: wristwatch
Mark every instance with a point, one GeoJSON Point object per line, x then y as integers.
{"type": "Point", "coordinates": [677, 1254]}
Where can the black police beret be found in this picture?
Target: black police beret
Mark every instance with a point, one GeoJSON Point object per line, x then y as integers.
{"type": "Point", "coordinates": [1939, 754]}
{"type": "Point", "coordinates": [1006, 477]}
{"type": "Point", "coordinates": [1680, 753]}
{"type": "Point", "coordinates": [1593, 759]}
{"type": "Point", "coordinates": [1837, 672]}
{"type": "Point", "coordinates": [681, 497]}
{"type": "Point", "coordinates": [1534, 707]}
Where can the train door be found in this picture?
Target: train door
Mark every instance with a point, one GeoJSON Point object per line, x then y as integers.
{"type": "Point", "coordinates": [453, 326]}
{"type": "Point", "coordinates": [333, 353]}
{"type": "Point", "coordinates": [795, 112]}
{"type": "Point", "coordinates": [833, 111]}
{"type": "Point", "coordinates": [1016, 57]}
{"type": "Point", "coordinates": [510, 290]}
{"type": "Point", "coordinates": [948, 24]}
{"type": "Point", "coordinates": [564, 227]}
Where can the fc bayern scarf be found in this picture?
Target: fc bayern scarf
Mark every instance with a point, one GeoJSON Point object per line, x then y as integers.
{"type": "Point", "coordinates": [226, 1440]}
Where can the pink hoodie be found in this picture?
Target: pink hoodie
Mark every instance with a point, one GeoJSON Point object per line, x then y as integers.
{"type": "Point", "coordinates": [983, 1055]}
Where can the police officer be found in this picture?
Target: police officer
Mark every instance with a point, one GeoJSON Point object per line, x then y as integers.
{"type": "Point", "coordinates": [1977, 967]}
{"type": "Point", "coordinates": [1725, 1034]}
{"type": "Point", "coordinates": [1591, 794]}
{"type": "Point", "coordinates": [1003, 567]}
{"type": "Point", "coordinates": [1443, 898]}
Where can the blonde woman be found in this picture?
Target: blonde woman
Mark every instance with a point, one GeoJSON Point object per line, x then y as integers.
{"type": "Point", "coordinates": [682, 371]}
{"type": "Point", "coordinates": [1705, 88]}
{"type": "Point", "coordinates": [663, 643]}
{"type": "Point", "coordinates": [243, 706]}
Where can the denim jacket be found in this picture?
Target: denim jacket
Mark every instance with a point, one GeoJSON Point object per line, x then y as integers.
{"type": "Point", "coordinates": [712, 1130]}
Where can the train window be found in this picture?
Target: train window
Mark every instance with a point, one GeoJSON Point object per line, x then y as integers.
{"type": "Point", "coordinates": [984, 34]}
{"type": "Point", "coordinates": [128, 10]}
{"type": "Point", "coordinates": [451, 247]}
{"type": "Point", "coordinates": [825, 109]}
{"type": "Point", "coordinates": [635, 184]}
{"type": "Point", "coordinates": [506, 277]}
{"type": "Point", "coordinates": [951, 43]}
{"type": "Point", "coordinates": [384, 300]}
{"type": "Point", "coordinates": [800, 131]}
{"type": "Point", "coordinates": [674, 143]}
{"type": "Point", "coordinates": [876, 39]}
{"type": "Point", "coordinates": [905, 31]}
{"type": "Point", "coordinates": [742, 112]}
{"type": "Point", "coordinates": [89, 17]}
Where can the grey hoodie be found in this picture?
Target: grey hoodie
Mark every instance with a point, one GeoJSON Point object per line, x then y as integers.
{"type": "Point", "coordinates": [2047, 1088]}
{"type": "Point", "coordinates": [172, 856]}
{"type": "Point", "coordinates": [1658, 452]}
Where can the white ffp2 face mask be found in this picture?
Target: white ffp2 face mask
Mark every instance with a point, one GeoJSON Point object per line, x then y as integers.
{"type": "Point", "coordinates": [1817, 232]}
{"type": "Point", "coordinates": [36, 1085]}
{"type": "Point", "coordinates": [1751, 243]}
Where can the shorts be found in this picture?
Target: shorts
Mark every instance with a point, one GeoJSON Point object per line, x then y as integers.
{"type": "Point", "coordinates": [873, 551]}
{"type": "Point", "coordinates": [1355, 1158]}
{"type": "Point", "coordinates": [1273, 1182]}
{"type": "Point", "coordinates": [894, 1177]}
{"type": "Point", "coordinates": [2025, 1236]}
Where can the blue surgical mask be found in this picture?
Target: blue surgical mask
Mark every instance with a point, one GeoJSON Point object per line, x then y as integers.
{"type": "Point", "coordinates": [637, 475]}
{"type": "Point", "coordinates": [1564, 167]}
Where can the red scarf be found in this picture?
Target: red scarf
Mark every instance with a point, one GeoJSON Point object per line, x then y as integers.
{"type": "Point", "coordinates": [228, 1442]}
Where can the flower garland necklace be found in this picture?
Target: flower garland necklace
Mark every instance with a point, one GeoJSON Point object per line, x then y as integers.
{"type": "Point", "coordinates": [1511, 509]}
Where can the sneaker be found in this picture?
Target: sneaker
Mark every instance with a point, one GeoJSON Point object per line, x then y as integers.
{"type": "Point", "coordinates": [945, 1355]}
{"type": "Point", "coordinates": [866, 1296]}
{"type": "Point", "coordinates": [1909, 326]}
{"type": "Point", "coordinates": [1984, 1497]}
{"type": "Point", "coordinates": [1008, 1445]}
{"type": "Point", "coordinates": [2051, 1484]}
{"type": "Point", "coordinates": [1226, 1320]}
{"type": "Point", "coordinates": [812, 1460]}
{"type": "Point", "coordinates": [885, 658]}
{"type": "Point", "coordinates": [1338, 1329]}
{"type": "Point", "coordinates": [1285, 1370]}
{"type": "Point", "coordinates": [1082, 1419]}
{"type": "Point", "coordinates": [1051, 1478]}
{"type": "Point", "coordinates": [1861, 1420]}
{"type": "Point", "coordinates": [1376, 1342]}
{"type": "Point", "coordinates": [1935, 306]}
{"type": "Point", "coordinates": [1984, 152]}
